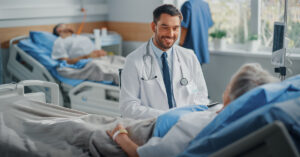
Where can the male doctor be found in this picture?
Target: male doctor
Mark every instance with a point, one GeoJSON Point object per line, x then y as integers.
{"type": "Point", "coordinates": [159, 75]}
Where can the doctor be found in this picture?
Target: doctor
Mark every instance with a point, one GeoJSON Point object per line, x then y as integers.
{"type": "Point", "coordinates": [159, 75]}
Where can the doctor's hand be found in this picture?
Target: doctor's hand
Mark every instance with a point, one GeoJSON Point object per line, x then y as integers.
{"type": "Point", "coordinates": [97, 53]}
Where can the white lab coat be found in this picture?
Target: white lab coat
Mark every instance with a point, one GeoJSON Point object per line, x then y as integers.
{"type": "Point", "coordinates": [147, 98]}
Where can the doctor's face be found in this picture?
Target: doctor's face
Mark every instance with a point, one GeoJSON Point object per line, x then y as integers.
{"type": "Point", "coordinates": [166, 31]}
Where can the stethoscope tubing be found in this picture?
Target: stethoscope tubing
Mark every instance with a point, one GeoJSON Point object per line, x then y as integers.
{"type": "Point", "coordinates": [183, 80]}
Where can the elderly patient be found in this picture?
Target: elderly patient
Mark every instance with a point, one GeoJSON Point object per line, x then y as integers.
{"type": "Point", "coordinates": [61, 132]}
{"type": "Point", "coordinates": [73, 48]}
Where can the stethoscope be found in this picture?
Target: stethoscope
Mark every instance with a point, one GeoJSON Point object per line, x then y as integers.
{"type": "Point", "coordinates": [183, 80]}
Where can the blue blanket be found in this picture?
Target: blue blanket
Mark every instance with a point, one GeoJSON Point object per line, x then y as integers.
{"type": "Point", "coordinates": [167, 120]}
{"type": "Point", "coordinates": [39, 46]}
{"type": "Point", "coordinates": [253, 110]}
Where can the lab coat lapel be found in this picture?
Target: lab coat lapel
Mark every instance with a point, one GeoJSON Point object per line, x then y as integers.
{"type": "Point", "coordinates": [158, 73]}
{"type": "Point", "coordinates": [178, 61]}
{"type": "Point", "coordinates": [176, 73]}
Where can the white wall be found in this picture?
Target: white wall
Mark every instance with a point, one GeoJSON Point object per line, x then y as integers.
{"type": "Point", "coordinates": [42, 12]}
{"type": "Point", "coordinates": [132, 10]}
{"type": "Point", "coordinates": [138, 11]}
{"type": "Point", "coordinates": [224, 64]}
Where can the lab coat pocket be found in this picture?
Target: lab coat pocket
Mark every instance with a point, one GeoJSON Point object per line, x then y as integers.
{"type": "Point", "coordinates": [192, 88]}
{"type": "Point", "coordinates": [192, 92]}
{"type": "Point", "coordinates": [150, 92]}
{"type": "Point", "coordinates": [197, 95]}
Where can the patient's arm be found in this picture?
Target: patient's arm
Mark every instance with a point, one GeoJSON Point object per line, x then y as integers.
{"type": "Point", "coordinates": [93, 54]}
{"type": "Point", "coordinates": [73, 60]}
{"type": "Point", "coordinates": [97, 53]}
{"type": "Point", "coordinates": [124, 141]}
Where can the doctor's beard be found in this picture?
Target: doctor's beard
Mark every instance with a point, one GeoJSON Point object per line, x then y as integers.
{"type": "Point", "coordinates": [165, 42]}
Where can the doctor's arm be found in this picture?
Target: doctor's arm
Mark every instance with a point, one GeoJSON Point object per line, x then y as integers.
{"type": "Point", "coordinates": [130, 95]}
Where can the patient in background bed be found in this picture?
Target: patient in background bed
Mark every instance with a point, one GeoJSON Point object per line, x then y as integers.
{"type": "Point", "coordinates": [73, 48]}
{"type": "Point", "coordinates": [49, 130]}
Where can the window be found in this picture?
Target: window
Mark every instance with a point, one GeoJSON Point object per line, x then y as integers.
{"type": "Point", "coordinates": [273, 10]}
{"type": "Point", "coordinates": [242, 19]}
{"type": "Point", "coordinates": [232, 16]}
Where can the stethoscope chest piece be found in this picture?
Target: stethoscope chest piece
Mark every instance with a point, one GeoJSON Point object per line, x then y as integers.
{"type": "Point", "coordinates": [184, 81]}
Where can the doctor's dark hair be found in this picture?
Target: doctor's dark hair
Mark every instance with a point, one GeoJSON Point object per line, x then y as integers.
{"type": "Point", "coordinates": [166, 9]}
{"type": "Point", "coordinates": [55, 29]}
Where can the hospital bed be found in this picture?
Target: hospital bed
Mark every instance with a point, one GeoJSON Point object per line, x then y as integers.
{"type": "Point", "coordinates": [85, 96]}
{"type": "Point", "coordinates": [271, 140]}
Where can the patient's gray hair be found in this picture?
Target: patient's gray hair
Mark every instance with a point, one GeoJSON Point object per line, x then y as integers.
{"type": "Point", "coordinates": [248, 77]}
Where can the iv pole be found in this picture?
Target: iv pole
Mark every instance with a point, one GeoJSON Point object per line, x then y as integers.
{"type": "Point", "coordinates": [282, 70]}
{"type": "Point", "coordinates": [282, 75]}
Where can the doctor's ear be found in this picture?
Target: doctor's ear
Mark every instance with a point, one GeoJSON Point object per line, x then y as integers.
{"type": "Point", "coordinates": [153, 25]}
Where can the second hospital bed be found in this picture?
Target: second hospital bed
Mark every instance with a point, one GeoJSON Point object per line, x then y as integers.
{"type": "Point", "coordinates": [87, 96]}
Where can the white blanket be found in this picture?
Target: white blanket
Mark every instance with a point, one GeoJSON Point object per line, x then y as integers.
{"type": "Point", "coordinates": [30, 128]}
{"type": "Point", "coordinates": [101, 69]}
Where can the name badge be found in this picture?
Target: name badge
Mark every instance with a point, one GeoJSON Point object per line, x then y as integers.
{"type": "Point", "coordinates": [192, 88]}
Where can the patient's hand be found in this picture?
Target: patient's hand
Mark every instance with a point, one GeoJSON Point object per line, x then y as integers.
{"type": "Point", "coordinates": [111, 132]}
{"type": "Point", "coordinates": [124, 141]}
{"type": "Point", "coordinates": [97, 53]}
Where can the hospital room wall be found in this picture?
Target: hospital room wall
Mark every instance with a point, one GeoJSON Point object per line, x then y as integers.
{"type": "Point", "coordinates": [132, 20]}
{"type": "Point", "coordinates": [224, 64]}
{"type": "Point", "coordinates": [17, 17]}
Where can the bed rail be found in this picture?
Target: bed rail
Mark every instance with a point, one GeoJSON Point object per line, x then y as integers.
{"type": "Point", "coordinates": [10, 89]}
{"type": "Point", "coordinates": [13, 40]}
{"type": "Point", "coordinates": [95, 98]}
{"type": "Point", "coordinates": [54, 89]}
{"type": "Point", "coordinates": [22, 66]}
{"type": "Point", "coordinates": [17, 89]}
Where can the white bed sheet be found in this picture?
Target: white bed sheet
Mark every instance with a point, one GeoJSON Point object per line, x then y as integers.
{"type": "Point", "coordinates": [30, 128]}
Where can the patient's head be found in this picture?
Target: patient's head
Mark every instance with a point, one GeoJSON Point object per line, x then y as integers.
{"type": "Point", "coordinates": [246, 78]}
{"type": "Point", "coordinates": [62, 30]}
